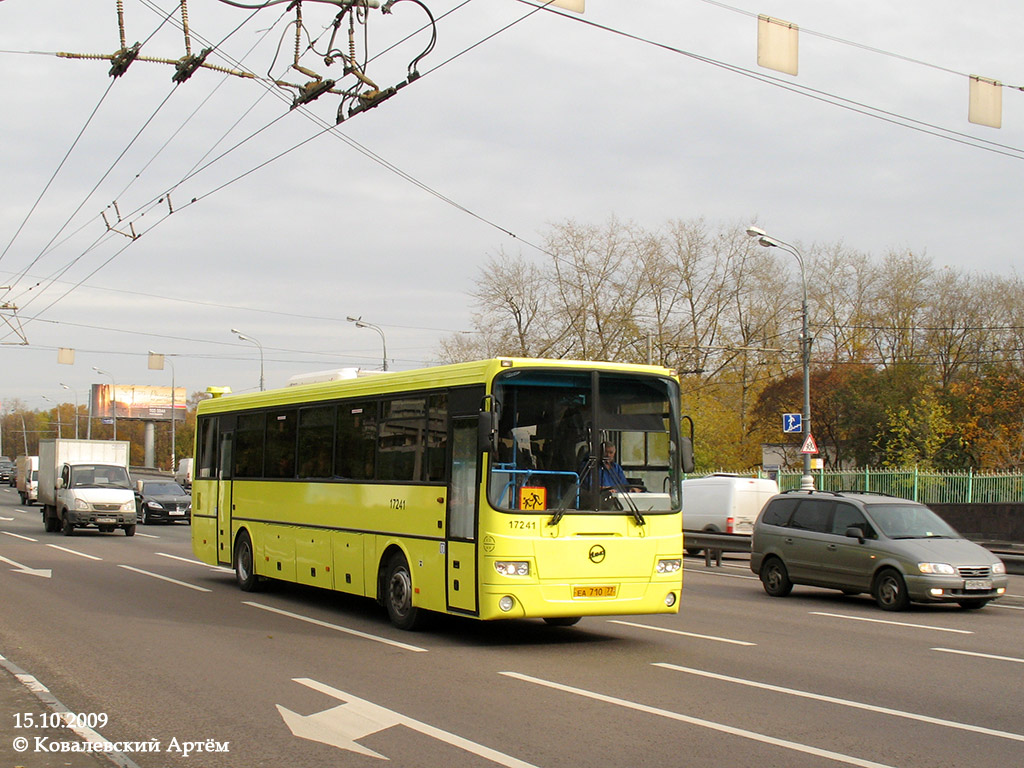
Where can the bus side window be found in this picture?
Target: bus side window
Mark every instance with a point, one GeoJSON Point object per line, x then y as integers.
{"type": "Point", "coordinates": [280, 449]}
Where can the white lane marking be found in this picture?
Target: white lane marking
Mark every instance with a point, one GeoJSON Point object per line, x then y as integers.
{"type": "Point", "coordinates": [46, 573]}
{"type": "Point", "coordinates": [8, 519]}
{"type": "Point", "coordinates": [164, 578]}
{"type": "Point", "coordinates": [845, 702]}
{"type": "Point", "coordinates": [979, 655]}
{"type": "Point", "coordinates": [720, 575]}
{"type": "Point", "coordinates": [73, 552]}
{"type": "Point", "coordinates": [18, 536]}
{"type": "Point", "coordinates": [720, 727]}
{"type": "Point", "coordinates": [336, 628]}
{"type": "Point", "coordinates": [190, 561]}
{"type": "Point", "coordinates": [1011, 607]}
{"type": "Point", "coordinates": [146, 535]}
{"type": "Point", "coordinates": [69, 718]}
{"type": "Point", "coordinates": [892, 623]}
{"type": "Point", "coordinates": [357, 718]}
{"type": "Point", "coordinates": [680, 632]}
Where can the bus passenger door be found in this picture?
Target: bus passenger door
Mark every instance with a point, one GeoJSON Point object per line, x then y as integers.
{"type": "Point", "coordinates": [224, 497]}
{"type": "Point", "coordinates": [461, 563]}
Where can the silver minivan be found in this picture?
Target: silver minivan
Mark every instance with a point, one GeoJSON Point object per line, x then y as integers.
{"type": "Point", "coordinates": [898, 550]}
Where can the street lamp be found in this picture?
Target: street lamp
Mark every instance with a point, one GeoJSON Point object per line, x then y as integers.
{"type": "Point", "coordinates": [764, 239]}
{"type": "Point", "coordinates": [75, 393]}
{"type": "Point", "coordinates": [360, 323]}
{"type": "Point", "coordinates": [243, 337]}
{"type": "Point", "coordinates": [57, 406]}
{"type": "Point", "coordinates": [113, 396]}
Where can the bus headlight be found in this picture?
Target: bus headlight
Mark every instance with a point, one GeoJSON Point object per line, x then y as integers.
{"type": "Point", "coordinates": [512, 567]}
{"type": "Point", "coordinates": [668, 566]}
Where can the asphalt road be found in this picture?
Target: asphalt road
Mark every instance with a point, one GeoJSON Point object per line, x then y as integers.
{"type": "Point", "coordinates": [172, 653]}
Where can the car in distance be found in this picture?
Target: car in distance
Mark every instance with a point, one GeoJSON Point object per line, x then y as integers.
{"type": "Point", "coordinates": [162, 501]}
{"type": "Point", "coordinates": [7, 471]}
{"type": "Point", "coordinates": [898, 550]}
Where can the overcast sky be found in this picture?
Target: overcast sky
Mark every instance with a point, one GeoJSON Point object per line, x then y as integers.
{"type": "Point", "coordinates": [554, 118]}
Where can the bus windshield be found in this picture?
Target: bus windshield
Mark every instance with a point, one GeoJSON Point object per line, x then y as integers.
{"type": "Point", "coordinates": [585, 441]}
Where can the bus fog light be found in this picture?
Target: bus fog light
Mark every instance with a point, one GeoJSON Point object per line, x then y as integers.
{"type": "Point", "coordinates": [512, 567]}
{"type": "Point", "coordinates": [668, 566]}
{"type": "Point", "coordinates": [670, 599]}
{"type": "Point", "coordinates": [506, 603]}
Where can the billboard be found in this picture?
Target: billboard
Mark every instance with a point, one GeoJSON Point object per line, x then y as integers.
{"type": "Point", "coordinates": [134, 401]}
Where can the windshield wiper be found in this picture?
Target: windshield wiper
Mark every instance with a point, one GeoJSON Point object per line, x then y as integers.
{"type": "Point", "coordinates": [624, 493]}
{"type": "Point", "coordinates": [563, 503]}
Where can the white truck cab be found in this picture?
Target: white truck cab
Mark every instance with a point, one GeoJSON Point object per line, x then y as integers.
{"type": "Point", "coordinates": [85, 483]}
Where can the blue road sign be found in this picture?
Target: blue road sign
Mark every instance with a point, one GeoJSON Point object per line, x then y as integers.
{"type": "Point", "coordinates": [792, 422]}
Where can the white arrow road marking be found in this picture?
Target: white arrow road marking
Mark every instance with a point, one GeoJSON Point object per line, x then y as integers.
{"type": "Point", "coordinates": [340, 726]}
{"type": "Point", "coordinates": [46, 573]}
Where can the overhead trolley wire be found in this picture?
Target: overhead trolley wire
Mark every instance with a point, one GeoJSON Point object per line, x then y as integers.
{"type": "Point", "coordinates": [1016, 153]}
{"type": "Point", "coordinates": [326, 128]}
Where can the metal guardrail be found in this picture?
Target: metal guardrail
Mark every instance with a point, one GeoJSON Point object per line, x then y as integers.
{"type": "Point", "coordinates": [714, 544]}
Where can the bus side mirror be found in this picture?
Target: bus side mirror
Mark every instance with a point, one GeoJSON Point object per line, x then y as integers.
{"type": "Point", "coordinates": [686, 454]}
{"type": "Point", "coordinates": [487, 432]}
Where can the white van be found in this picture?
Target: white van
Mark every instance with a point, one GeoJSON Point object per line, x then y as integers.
{"type": "Point", "coordinates": [725, 503]}
{"type": "Point", "coordinates": [183, 474]}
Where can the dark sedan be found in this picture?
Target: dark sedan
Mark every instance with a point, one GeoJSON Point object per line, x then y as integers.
{"type": "Point", "coordinates": [162, 501]}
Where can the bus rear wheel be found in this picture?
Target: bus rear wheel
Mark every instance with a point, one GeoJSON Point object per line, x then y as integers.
{"type": "Point", "coordinates": [245, 571]}
{"type": "Point", "coordinates": [398, 595]}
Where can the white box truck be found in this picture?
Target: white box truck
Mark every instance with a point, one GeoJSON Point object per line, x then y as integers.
{"type": "Point", "coordinates": [183, 475]}
{"type": "Point", "coordinates": [26, 478]}
{"type": "Point", "coordinates": [86, 483]}
{"type": "Point", "coordinates": [724, 503]}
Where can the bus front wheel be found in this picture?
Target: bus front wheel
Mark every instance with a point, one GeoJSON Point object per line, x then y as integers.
{"type": "Point", "coordinates": [398, 595]}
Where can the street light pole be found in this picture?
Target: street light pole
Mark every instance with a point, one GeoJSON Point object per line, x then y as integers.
{"type": "Point", "coordinates": [765, 240]}
{"type": "Point", "coordinates": [251, 340]}
{"type": "Point", "coordinates": [360, 323]}
{"type": "Point", "coordinates": [113, 396]}
{"type": "Point", "coordinates": [75, 393]}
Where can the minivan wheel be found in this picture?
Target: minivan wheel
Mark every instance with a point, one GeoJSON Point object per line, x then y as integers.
{"type": "Point", "coordinates": [775, 578]}
{"type": "Point", "coordinates": [890, 591]}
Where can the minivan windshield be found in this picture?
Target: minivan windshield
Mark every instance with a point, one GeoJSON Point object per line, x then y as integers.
{"type": "Point", "coordinates": [910, 521]}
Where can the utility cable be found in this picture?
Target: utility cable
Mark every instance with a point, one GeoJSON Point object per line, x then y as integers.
{"type": "Point", "coordinates": [894, 118]}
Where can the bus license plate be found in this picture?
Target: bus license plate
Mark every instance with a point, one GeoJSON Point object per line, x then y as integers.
{"type": "Point", "coordinates": [978, 584]}
{"type": "Point", "coordinates": [608, 590]}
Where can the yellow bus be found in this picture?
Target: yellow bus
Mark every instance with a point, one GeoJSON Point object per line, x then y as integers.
{"type": "Point", "coordinates": [475, 489]}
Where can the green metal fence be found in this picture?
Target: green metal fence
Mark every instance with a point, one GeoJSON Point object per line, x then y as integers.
{"type": "Point", "coordinates": [927, 487]}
